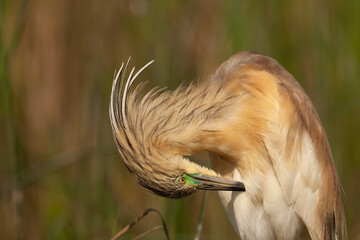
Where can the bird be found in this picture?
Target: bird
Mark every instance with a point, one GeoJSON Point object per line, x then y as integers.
{"type": "Point", "coordinates": [271, 162]}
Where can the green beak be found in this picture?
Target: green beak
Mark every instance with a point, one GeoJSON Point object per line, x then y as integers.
{"type": "Point", "coordinates": [206, 182]}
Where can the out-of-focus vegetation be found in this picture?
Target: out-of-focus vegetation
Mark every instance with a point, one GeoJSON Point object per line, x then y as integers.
{"type": "Point", "coordinates": [60, 174]}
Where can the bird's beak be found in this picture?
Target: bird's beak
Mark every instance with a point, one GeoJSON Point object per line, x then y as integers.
{"type": "Point", "coordinates": [206, 182]}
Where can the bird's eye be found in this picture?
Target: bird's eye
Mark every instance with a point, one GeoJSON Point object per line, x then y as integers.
{"type": "Point", "coordinates": [181, 180]}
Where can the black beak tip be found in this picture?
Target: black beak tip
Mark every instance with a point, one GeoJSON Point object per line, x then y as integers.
{"type": "Point", "coordinates": [240, 187]}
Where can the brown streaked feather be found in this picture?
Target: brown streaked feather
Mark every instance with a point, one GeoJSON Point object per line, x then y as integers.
{"type": "Point", "coordinates": [149, 132]}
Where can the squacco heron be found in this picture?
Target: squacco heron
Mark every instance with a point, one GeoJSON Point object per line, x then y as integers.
{"type": "Point", "coordinates": [262, 133]}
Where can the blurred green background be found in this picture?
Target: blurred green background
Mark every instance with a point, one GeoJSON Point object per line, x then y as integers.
{"type": "Point", "coordinates": [60, 174]}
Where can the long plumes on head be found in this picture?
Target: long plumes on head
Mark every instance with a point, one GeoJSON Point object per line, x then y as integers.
{"type": "Point", "coordinates": [151, 168]}
{"type": "Point", "coordinates": [154, 131]}
{"type": "Point", "coordinates": [127, 136]}
{"type": "Point", "coordinates": [117, 108]}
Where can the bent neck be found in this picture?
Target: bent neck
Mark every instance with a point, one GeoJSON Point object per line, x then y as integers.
{"type": "Point", "coordinates": [185, 121]}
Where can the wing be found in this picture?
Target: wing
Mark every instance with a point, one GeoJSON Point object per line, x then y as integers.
{"type": "Point", "coordinates": [275, 115]}
{"type": "Point", "coordinates": [302, 157]}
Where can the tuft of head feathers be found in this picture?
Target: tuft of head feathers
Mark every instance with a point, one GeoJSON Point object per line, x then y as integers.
{"type": "Point", "coordinates": [150, 131]}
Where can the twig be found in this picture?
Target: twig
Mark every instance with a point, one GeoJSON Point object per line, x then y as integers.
{"type": "Point", "coordinates": [147, 232]}
{"type": "Point", "coordinates": [130, 225]}
{"type": "Point", "coordinates": [200, 222]}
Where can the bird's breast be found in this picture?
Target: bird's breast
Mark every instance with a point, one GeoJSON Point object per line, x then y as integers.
{"type": "Point", "coordinates": [261, 212]}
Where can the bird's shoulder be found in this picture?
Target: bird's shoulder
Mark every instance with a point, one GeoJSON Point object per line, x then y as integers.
{"type": "Point", "coordinates": [269, 81]}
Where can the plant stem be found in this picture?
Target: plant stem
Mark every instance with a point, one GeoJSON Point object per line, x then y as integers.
{"type": "Point", "coordinates": [200, 225]}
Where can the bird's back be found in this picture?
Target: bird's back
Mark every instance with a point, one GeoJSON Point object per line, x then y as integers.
{"type": "Point", "coordinates": [280, 151]}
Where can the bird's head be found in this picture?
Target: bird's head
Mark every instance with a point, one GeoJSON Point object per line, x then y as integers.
{"type": "Point", "coordinates": [141, 128]}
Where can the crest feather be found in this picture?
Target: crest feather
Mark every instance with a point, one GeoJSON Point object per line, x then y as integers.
{"type": "Point", "coordinates": [119, 94]}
